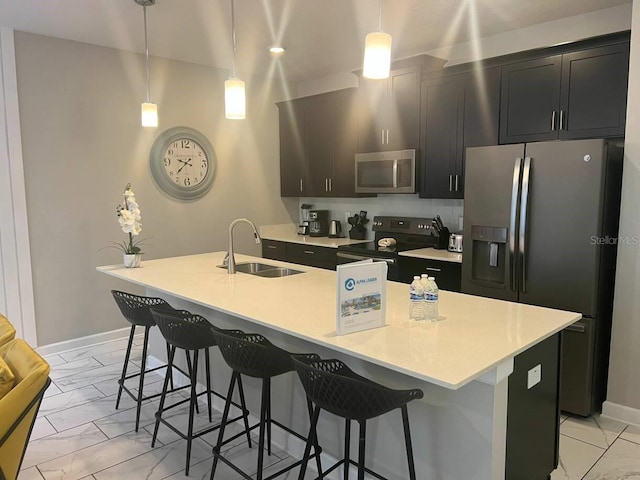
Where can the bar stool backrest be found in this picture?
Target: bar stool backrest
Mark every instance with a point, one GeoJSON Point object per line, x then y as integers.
{"type": "Point", "coordinates": [135, 308]}
{"type": "Point", "coordinates": [182, 329]}
{"type": "Point", "coordinates": [252, 354]}
{"type": "Point", "coordinates": [334, 387]}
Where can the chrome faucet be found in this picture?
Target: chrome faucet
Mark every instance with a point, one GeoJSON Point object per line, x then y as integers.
{"type": "Point", "coordinates": [230, 260]}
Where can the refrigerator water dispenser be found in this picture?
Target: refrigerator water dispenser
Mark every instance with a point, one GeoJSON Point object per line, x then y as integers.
{"type": "Point", "coordinates": [489, 254]}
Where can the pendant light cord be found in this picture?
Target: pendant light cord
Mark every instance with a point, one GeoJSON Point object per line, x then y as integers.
{"type": "Point", "coordinates": [146, 49]}
{"type": "Point", "coordinates": [233, 38]}
{"type": "Point", "coordinates": [380, 17]}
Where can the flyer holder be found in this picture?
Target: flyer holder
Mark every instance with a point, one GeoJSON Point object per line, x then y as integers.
{"type": "Point", "coordinates": [362, 296]}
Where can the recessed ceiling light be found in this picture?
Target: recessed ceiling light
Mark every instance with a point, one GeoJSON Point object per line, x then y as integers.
{"type": "Point", "coordinates": [276, 50]}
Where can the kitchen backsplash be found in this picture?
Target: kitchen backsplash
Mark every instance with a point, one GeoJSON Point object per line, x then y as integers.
{"type": "Point", "coordinates": [402, 205]}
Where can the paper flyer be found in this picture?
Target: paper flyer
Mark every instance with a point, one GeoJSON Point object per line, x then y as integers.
{"type": "Point", "coordinates": [361, 296]}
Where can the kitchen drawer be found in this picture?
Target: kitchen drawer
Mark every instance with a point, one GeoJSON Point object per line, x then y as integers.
{"type": "Point", "coordinates": [274, 250]}
{"type": "Point", "coordinates": [321, 257]}
{"type": "Point", "coordinates": [447, 274]}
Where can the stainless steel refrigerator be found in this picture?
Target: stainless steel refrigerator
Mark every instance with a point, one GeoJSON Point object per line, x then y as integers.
{"type": "Point", "coordinates": [540, 227]}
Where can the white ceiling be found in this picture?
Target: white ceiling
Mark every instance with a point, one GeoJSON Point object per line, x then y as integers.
{"type": "Point", "coordinates": [322, 37]}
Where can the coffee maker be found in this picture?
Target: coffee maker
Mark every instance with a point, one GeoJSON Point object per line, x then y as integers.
{"type": "Point", "coordinates": [303, 227]}
{"type": "Point", "coordinates": [319, 223]}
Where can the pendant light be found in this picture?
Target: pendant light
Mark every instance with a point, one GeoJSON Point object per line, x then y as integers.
{"type": "Point", "coordinates": [377, 52]}
{"type": "Point", "coordinates": [234, 94]}
{"type": "Point", "coordinates": [149, 110]}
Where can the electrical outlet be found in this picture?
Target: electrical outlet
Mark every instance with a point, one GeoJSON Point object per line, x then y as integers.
{"type": "Point", "coordinates": [346, 217]}
{"type": "Point", "coordinates": [534, 376]}
{"type": "Point", "coordinates": [460, 224]}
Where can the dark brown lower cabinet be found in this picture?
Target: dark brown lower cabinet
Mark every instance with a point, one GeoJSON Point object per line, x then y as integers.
{"type": "Point", "coordinates": [302, 254]}
{"type": "Point", "coordinates": [533, 413]}
{"type": "Point", "coordinates": [448, 275]}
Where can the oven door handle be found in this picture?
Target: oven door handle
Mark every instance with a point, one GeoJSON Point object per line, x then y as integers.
{"type": "Point", "coordinates": [351, 256]}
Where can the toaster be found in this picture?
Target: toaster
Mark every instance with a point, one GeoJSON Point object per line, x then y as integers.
{"type": "Point", "coordinates": [455, 243]}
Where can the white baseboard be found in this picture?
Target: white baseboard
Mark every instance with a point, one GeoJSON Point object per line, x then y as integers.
{"type": "Point", "coordinates": [81, 342]}
{"type": "Point", "coordinates": [621, 412]}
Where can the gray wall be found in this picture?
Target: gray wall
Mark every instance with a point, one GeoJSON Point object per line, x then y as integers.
{"type": "Point", "coordinates": [82, 143]}
{"type": "Point", "coordinates": [624, 381]}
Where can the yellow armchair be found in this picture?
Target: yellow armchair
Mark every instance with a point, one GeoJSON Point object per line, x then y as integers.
{"type": "Point", "coordinates": [7, 332]}
{"type": "Point", "coordinates": [19, 407]}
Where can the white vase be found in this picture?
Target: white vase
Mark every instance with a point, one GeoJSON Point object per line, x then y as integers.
{"type": "Point", "coordinates": [132, 260]}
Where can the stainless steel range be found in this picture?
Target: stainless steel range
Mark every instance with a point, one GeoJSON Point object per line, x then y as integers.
{"type": "Point", "coordinates": [406, 233]}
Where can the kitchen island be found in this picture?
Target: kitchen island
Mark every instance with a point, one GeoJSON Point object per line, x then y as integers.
{"type": "Point", "coordinates": [462, 363]}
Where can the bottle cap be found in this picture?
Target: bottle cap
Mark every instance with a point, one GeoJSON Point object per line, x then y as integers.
{"type": "Point", "coordinates": [432, 278]}
{"type": "Point", "coordinates": [416, 277]}
{"type": "Point", "coordinates": [424, 275]}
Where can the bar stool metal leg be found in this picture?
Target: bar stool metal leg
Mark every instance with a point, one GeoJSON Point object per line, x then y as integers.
{"type": "Point", "coordinates": [307, 449]}
{"type": "Point", "coordinates": [207, 368]}
{"type": "Point", "coordinates": [347, 447]}
{"type": "Point", "coordinates": [165, 384]}
{"type": "Point", "coordinates": [124, 367]}
{"type": "Point", "coordinates": [192, 404]}
{"type": "Point", "coordinates": [361, 447]}
{"type": "Point", "coordinates": [244, 408]}
{"type": "Point", "coordinates": [407, 440]}
{"type": "Point", "coordinates": [223, 424]}
{"type": "Point", "coordinates": [142, 370]}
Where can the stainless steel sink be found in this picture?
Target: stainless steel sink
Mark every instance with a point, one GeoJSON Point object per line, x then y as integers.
{"type": "Point", "coordinates": [278, 272]}
{"type": "Point", "coordinates": [263, 269]}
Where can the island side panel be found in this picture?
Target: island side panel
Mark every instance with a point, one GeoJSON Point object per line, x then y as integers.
{"type": "Point", "coordinates": [456, 433]}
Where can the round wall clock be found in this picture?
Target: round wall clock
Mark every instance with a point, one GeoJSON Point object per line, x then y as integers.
{"type": "Point", "coordinates": [183, 163]}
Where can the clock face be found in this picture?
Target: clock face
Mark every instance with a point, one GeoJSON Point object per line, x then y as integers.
{"type": "Point", "coordinates": [186, 163]}
{"type": "Point", "coordinates": [183, 163]}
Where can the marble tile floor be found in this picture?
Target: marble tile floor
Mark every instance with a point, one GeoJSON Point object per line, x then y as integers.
{"type": "Point", "coordinates": [79, 435]}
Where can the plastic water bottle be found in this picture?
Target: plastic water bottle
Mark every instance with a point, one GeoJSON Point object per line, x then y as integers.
{"type": "Point", "coordinates": [416, 299]}
{"type": "Point", "coordinates": [431, 300]}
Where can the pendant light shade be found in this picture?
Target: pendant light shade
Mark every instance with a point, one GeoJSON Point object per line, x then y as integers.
{"type": "Point", "coordinates": [234, 93]}
{"type": "Point", "coordinates": [377, 52]}
{"type": "Point", "coordinates": [149, 110]}
{"type": "Point", "coordinates": [234, 99]}
{"type": "Point", "coordinates": [149, 114]}
{"type": "Point", "coordinates": [377, 55]}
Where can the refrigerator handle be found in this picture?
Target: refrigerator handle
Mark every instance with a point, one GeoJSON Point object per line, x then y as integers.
{"type": "Point", "coordinates": [512, 221]}
{"type": "Point", "coordinates": [522, 237]}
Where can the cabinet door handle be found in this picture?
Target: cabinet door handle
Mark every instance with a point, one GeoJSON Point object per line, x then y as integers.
{"type": "Point", "coordinates": [272, 246]}
{"type": "Point", "coordinates": [553, 120]}
{"type": "Point", "coordinates": [301, 185]}
{"type": "Point", "coordinates": [309, 252]}
{"type": "Point", "coordinates": [457, 182]}
{"type": "Point", "coordinates": [330, 186]}
{"type": "Point", "coordinates": [382, 136]}
{"type": "Point", "coordinates": [387, 136]}
{"type": "Point", "coordinates": [451, 183]}
{"type": "Point", "coordinates": [326, 185]}
{"type": "Point", "coordinates": [561, 119]}
{"type": "Point", "coordinates": [433, 269]}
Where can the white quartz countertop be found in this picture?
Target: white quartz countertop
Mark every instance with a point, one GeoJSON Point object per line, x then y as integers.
{"type": "Point", "coordinates": [289, 233]}
{"type": "Point", "coordinates": [474, 335]}
{"type": "Point", "coordinates": [433, 254]}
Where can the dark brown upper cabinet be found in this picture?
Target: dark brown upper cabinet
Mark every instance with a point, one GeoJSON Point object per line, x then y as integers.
{"type": "Point", "coordinates": [390, 111]}
{"type": "Point", "coordinates": [318, 140]}
{"type": "Point", "coordinates": [581, 94]}
{"type": "Point", "coordinates": [459, 111]}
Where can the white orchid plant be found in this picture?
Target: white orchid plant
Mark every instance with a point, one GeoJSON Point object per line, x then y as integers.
{"type": "Point", "coordinates": [129, 217]}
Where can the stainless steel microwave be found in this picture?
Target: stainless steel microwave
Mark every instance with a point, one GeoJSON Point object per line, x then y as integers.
{"type": "Point", "coordinates": [386, 172]}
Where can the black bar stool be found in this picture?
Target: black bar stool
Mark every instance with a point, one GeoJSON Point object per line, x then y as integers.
{"type": "Point", "coordinates": [334, 387]}
{"type": "Point", "coordinates": [253, 355]}
{"type": "Point", "coordinates": [136, 310]}
{"type": "Point", "coordinates": [191, 333]}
